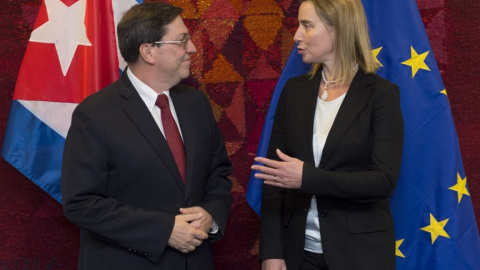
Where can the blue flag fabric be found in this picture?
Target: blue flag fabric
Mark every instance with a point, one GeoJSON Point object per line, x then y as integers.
{"type": "Point", "coordinates": [435, 225]}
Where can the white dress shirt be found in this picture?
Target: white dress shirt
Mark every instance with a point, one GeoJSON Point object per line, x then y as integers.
{"type": "Point", "coordinates": [149, 97]}
{"type": "Point", "coordinates": [325, 114]}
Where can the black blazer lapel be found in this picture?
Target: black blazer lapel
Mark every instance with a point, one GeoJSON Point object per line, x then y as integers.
{"type": "Point", "coordinates": [306, 106]}
{"type": "Point", "coordinates": [183, 111]}
{"type": "Point", "coordinates": [135, 108]}
{"type": "Point", "coordinates": [356, 98]}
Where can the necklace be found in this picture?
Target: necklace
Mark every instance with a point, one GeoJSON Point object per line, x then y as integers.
{"type": "Point", "coordinates": [325, 94]}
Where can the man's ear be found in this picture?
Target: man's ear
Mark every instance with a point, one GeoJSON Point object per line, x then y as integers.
{"type": "Point", "coordinates": [146, 53]}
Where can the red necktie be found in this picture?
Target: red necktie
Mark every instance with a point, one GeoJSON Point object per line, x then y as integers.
{"type": "Point", "coordinates": [172, 134]}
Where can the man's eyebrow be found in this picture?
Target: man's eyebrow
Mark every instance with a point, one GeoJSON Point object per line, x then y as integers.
{"type": "Point", "coordinates": [182, 35]}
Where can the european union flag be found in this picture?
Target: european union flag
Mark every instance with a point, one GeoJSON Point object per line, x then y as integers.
{"type": "Point", "coordinates": [434, 220]}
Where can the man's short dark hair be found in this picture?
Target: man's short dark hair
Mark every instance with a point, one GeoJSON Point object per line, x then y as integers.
{"type": "Point", "coordinates": [143, 23]}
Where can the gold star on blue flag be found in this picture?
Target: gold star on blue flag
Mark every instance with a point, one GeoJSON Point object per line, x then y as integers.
{"type": "Point", "coordinates": [432, 181]}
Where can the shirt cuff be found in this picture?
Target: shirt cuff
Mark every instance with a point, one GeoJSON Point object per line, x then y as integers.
{"type": "Point", "coordinates": [214, 228]}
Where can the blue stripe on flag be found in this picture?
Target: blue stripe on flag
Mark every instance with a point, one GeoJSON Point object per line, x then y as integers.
{"type": "Point", "coordinates": [34, 149]}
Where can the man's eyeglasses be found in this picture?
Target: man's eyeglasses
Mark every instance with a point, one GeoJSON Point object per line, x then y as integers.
{"type": "Point", "coordinates": [183, 42]}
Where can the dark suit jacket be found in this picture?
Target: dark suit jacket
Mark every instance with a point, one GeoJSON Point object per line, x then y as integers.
{"type": "Point", "coordinates": [358, 171]}
{"type": "Point", "coordinates": [121, 186]}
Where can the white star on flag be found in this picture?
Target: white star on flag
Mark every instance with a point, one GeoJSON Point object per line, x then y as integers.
{"type": "Point", "coordinates": [65, 28]}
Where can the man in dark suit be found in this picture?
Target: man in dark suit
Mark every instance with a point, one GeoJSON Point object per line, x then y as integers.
{"type": "Point", "coordinates": [141, 200]}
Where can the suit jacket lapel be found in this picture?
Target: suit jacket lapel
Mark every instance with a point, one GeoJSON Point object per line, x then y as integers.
{"type": "Point", "coordinates": [183, 111]}
{"type": "Point", "coordinates": [356, 98]}
{"type": "Point", "coordinates": [136, 110]}
{"type": "Point", "coordinates": [307, 100]}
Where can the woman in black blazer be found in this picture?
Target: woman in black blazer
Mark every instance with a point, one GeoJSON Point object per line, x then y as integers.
{"type": "Point", "coordinates": [335, 151]}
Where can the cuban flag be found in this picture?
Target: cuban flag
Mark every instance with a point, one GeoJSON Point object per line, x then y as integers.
{"type": "Point", "coordinates": [435, 225]}
{"type": "Point", "coordinates": [72, 53]}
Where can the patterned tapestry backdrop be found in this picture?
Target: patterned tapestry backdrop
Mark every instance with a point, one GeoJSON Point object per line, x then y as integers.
{"type": "Point", "coordinates": [242, 47]}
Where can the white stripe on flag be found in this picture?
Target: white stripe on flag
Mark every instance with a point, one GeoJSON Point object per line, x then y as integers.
{"type": "Point", "coordinates": [56, 115]}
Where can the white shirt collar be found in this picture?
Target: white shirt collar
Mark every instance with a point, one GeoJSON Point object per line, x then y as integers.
{"type": "Point", "coordinates": [148, 95]}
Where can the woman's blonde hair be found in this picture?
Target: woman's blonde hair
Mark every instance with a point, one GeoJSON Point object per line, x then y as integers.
{"type": "Point", "coordinates": [352, 42]}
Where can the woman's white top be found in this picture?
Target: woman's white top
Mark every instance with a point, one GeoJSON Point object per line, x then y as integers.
{"type": "Point", "coordinates": [325, 114]}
